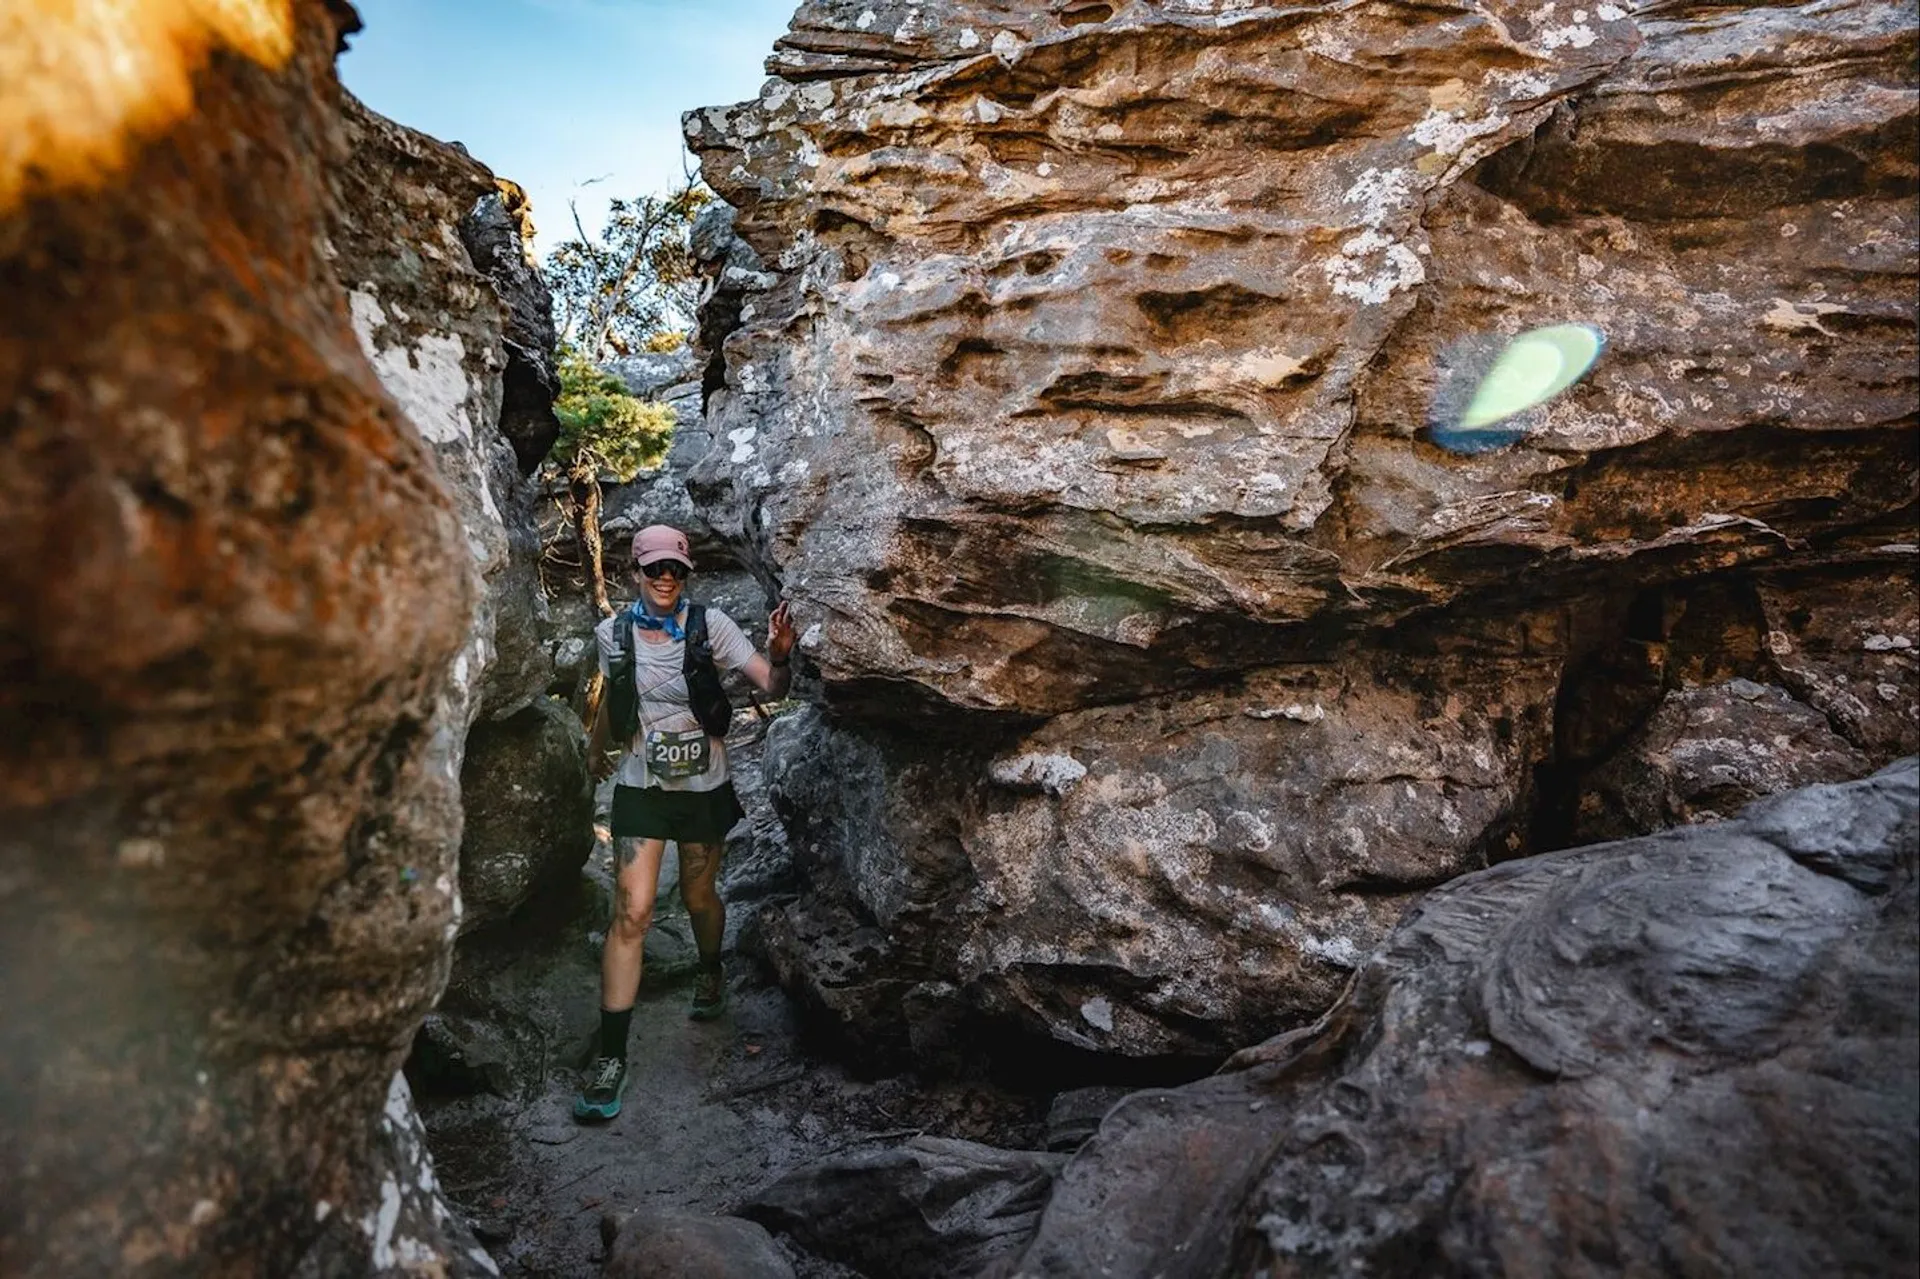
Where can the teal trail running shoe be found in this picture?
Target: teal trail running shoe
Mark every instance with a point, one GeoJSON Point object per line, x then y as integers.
{"type": "Point", "coordinates": [601, 1099]}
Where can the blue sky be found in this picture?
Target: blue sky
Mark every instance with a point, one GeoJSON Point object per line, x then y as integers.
{"type": "Point", "coordinates": [557, 93]}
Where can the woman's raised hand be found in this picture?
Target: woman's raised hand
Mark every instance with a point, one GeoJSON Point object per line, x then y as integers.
{"type": "Point", "coordinates": [779, 634]}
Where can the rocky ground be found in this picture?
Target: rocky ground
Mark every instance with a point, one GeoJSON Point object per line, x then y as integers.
{"type": "Point", "coordinates": [714, 1111]}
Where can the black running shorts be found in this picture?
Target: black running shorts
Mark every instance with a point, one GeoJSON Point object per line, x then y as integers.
{"type": "Point", "coordinates": [686, 817]}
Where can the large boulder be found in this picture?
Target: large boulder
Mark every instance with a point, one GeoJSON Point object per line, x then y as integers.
{"type": "Point", "coordinates": [1172, 878]}
{"type": "Point", "coordinates": [259, 573]}
{"type": "Point", "coordinates": [1693, 1053]}
{"type": "Point", "coordinates": [529, 809]}
{"type": "Point", "coordinates": [1066, 368]}
{"type": "Point", "coordinates": [448, 311]}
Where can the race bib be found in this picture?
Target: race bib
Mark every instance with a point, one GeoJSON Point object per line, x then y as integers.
{"type": "Point", "coordinates": [673, 755]}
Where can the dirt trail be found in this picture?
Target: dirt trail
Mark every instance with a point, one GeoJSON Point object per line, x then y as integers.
{"type": "Point", "coordinates": [712, 1111]}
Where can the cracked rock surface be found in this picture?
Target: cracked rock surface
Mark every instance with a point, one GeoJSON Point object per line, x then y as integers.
{"type": "Point", "coordinates": [1067, 368]}
{"type": "Point", "coordinates": [1694, 1053]}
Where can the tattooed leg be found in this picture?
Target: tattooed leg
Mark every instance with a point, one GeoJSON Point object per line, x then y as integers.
{"type": "Point", "coordinates": [699, 873]}
{"type": "Point", "coordinates": [637, 877]}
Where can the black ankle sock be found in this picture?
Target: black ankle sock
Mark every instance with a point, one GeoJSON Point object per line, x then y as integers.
{"type": "Point", "coordinates": [613, 1032]}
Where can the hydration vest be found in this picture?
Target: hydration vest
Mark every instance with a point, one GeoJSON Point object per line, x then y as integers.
{"type": "Point", "coordinates": [709, 701]}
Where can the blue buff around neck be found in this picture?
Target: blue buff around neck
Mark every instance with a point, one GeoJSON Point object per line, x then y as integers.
{"type": "Point", "coordinates": [647, 620]}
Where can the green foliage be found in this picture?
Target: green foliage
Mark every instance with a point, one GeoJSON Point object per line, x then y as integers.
{"type": "Point", "coordinates": [623, 289]}
{"type": "Point", "coordinates": [602, 427]}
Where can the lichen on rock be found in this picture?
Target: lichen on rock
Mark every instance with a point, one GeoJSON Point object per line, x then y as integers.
{"type": "Point", "coordinates": [1067, 363]}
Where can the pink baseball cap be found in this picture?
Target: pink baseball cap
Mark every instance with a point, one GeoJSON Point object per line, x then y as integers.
{"type": "Point", "coordinates": [658, 542]}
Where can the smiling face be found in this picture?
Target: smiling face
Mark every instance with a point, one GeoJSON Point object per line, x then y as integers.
{"type": "Point", "coordinates": [661, 583]}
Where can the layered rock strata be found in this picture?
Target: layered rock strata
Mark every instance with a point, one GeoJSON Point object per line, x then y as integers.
{"type": "Point", "coordinates": [1068, 371]}
{"type": "Point", "coordinates": [258, 574]}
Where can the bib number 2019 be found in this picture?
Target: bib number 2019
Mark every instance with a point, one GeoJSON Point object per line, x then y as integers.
{"type": "Point", "coordinates": [671, 755]}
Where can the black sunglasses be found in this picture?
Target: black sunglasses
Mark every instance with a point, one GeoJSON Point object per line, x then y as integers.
{"type": "Point", "coordinates": [666, 568]}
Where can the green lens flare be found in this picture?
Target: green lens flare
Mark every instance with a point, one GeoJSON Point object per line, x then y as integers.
{"type": "Point", "coordinates": [1533, 369]}
{"type": "Point", "coordinates": [1524, 373]}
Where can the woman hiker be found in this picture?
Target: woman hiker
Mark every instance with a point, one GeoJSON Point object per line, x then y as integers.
{"type": "Point", "coordinates": [672, 785]}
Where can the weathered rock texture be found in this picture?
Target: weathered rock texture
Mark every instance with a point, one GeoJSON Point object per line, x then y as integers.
{"type": "Point", "coordinates": [931, 1208]}
{"type": "Point", "coordinates": [1069, 365]}
{"type": "Point", "coordinates": [1705, 754]}
{"type": "Point", "coordinates": [529, 809]}
{"type": "Point", "coordinates": [257, 576]}
{"type": "Point", "coordinates": [498, 235]}
{"type": "Point", "coordinates": [667, 1245]}
{"type": "Point", "coordinates": [434, 329]}
{"type": "Point", "coordinates": [1689, 1054]}
{"type": "Point", "coordinates": [459, 327]}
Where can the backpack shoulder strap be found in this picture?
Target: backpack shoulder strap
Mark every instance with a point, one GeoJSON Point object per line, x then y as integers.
{"type": "Point", "coordinates": [623, 635]}
{"type": "Point", "coordinates": [699, 652]}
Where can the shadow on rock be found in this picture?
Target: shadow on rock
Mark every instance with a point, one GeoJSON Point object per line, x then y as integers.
{"type": "Point", "coordinates": [1693, 1053]}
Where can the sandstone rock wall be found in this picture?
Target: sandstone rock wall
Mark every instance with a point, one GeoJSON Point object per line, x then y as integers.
{"type": "Point", "coordinates": [1068, 372]}
{"type": "Point", "coordinates": [261, 567]}
{"type": "Point", "coordinates": [459, 328]}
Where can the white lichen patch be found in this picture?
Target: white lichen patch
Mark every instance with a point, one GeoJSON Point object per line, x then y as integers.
{"type": "Point", "coordinates": [1791, 317]}
{"type": "Point", "coordinates": [429, 380]}
{"type": "Point", "coordinates": [379, 1224]}
{"type": "Point", "coordinates": [1266, 366]}
{"type": "Point", "coordinates": [742, 438]}
{"type": "Point", "coordinates": [1372, 267]}
{"type": "Point", "coordinates": [1300, 712]}
{"type": "Point", "coordinates": [1575, 34]}
{"type": "Point", "coordinates": [1054, 774]}
{"type": "Point", "coordinates": [1520, 86]}
{"type": "Point", "coordinates": [1327, 42]}
{"type": "Point", "coordinates": [1338, 951]}
{"type": "Point", "coordinates": [1448, 132]}
{"type": "Point", "coordinates": [1098, 1013]}
{"type": "Point", "coordinates": [1248, 831]}
{"type": "Point", "coordinates": [1380, 193]}
{"type": "Point", "coordinates": [969, 38]}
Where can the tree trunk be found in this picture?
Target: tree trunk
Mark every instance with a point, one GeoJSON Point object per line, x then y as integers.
{"type": "Point", "coordinates": [590, 704]}
{"type": "Point", "coordinates": [585, 480]}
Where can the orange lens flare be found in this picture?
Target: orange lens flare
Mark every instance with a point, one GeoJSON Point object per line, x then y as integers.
{"type": "Point", "coordinates": [83, 81]}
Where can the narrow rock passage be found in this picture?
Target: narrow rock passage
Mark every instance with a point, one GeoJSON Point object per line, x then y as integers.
{"type": "Point", "coordinates": [712, 1110]}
